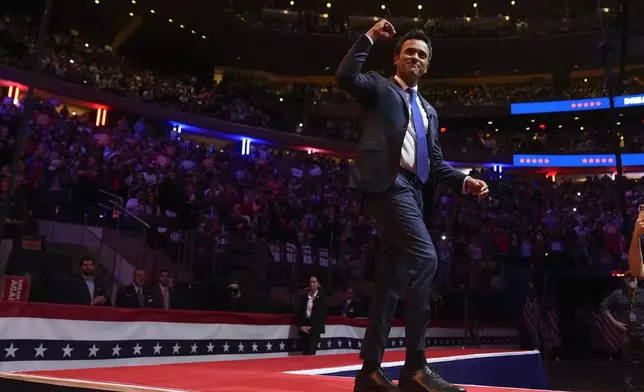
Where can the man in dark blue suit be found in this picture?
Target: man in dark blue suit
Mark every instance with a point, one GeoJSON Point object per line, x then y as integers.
{"type": "Point", "coordinates": [398, 165]}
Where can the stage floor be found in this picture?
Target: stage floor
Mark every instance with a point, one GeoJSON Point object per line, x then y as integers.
{"type": "Point", "coordinates": [320, 373]}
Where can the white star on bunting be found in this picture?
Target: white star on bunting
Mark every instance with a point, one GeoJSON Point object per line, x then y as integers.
{"type": "Point", "coordinates": [193, 348]}
{"type": "Point", "coordinates": [226, 347]}
{"type": "Point", "coordinates": [282, 346]}
{"type": "Point", "coordinates": [269, 346]}
{"type": "Point", "coordinates": [157, 348]}
{"type": "Point", "coordinates": [210, 347]}
{"type": "Point", "coordinates": [93, 351]}
{"type": "Point", "coordinates": [137, 349]}
{"type": "Point", "coordinates": [67, 351]}
{"type": "Point", "coordinates": [241, 347]}
{"type": "Point", "coordinates": [328, 343]}
{"type": "Point", "coordinates": [116, 351]}
{"type": "Point", "coordinates": [176, 348]}
{"type": "Point", "coordinates": [40, 351]}
{"type": "Point", "coordinates": [254, 347]}
{"type": "Point", "coordinates": [11, 351]}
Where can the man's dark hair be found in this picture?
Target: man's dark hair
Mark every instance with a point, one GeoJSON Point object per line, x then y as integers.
{"type": "Point", "coordinates": [87, 258]}
{"type": "Point", "coordinates": [414, 34]}
{"type": "Point", "coordinates": [164, 270]}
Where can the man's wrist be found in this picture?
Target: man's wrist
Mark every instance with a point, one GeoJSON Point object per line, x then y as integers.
{"type": "Point", "coordinates": [369, 35]}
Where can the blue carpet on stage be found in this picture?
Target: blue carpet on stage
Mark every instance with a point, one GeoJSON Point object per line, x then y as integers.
{"type": "Point", "coordinates": [512, 370]}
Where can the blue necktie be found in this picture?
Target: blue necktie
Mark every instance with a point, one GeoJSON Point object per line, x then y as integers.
{"type": "Point", "coordinates": [422, 155]}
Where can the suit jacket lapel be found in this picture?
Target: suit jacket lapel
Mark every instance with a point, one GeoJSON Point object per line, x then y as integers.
{"type": "Point", "coordinates": [403, 96]}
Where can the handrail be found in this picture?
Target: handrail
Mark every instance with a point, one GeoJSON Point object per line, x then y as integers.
{"type": "Point", "coordinates": [121, 209]}
{"type": "Point", "coordinates": [112, 195]}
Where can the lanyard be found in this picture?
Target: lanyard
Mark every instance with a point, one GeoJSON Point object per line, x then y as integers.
{"type": "Point", "coordinates": [633, 300]}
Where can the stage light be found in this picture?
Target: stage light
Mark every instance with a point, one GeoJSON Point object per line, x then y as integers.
{"type": "Point", "coordinates": [507, 17]}
{"type": "Point", "coordinates": [489, 123]}
{"type": "Point", "coordinates": [292, 3]}
{"type": "Point", "coordinates": [475, 5]}
{"type": "Point", "coordinates": [87, 45]}
{"type": "Point", "coordinates": [512, 2]}
{"type": "Point", "coordinates": [170, 20]}
{"type": "Point", "coordinates": [182, 26]}
{"type": "Point", "coordinates": [328, 5]}
{"type": "Point", "coordinates": [152, 11]}
{"type": "Point", "coordinates": [193, 32]}
{"type": "Point", "coordinates": [281, 99]}
{"type": "Point", "coordinates": [133, 1]}
{"type": "Point", "coordinates": [420, 7]}
{"type": "Point", "coordinates": [203, 36]}
{"type": "Point", "coordinates": [467, 19]}
{"type": "Point", "coordinates": [382, 7]}
{"type": "Point", "coordinates": [97, 1]}
{"type": "Point", "coordinates": [443, 130]}
{"type": "Point", "coordinates": [542, 126]}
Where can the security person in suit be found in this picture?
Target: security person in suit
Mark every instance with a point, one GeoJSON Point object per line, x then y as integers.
{"type": "Point", "coordinates": [398, 165]}
{"type": "Point", "coordinates": [624, 307]}
{"type": "Point", "coordinates": [310, 316]}
{"type": "Point", "coordinates": [135, 295]}
{"type": "Point", "coordinates": [350, 307]}
{"type": "Point", "coordinates": [85, 289]}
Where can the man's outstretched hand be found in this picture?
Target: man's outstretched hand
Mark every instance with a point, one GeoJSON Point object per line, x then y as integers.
{"type": "Point", "coordinates": [381, 30]}
{"type": "Point", "coordinates": [476, 187]}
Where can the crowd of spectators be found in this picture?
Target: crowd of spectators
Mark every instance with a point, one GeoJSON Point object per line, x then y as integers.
{"type": "Point", "coordinates": [300, 198]}
{"type": "Point", "coordinates": [283, 195]}
{"type": "Point", "coordinates": [296, 108]}
{"type": "Point", "coordinates": [478, 23]}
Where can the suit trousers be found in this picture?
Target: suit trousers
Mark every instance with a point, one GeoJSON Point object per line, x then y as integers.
{"type": "Point", "coordinates": [309, 342]}
{"type": "Point", "coordinates": [407, 263]}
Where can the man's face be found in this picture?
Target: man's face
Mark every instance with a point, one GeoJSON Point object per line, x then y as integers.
{"type": "Point", "coordinates": [164, 278]}
{"type": "Point", "coordinates": [140, 277]}
{"type": "Point", "coordinates": [413, 60]}
{"type": "Point", "coordinates": [87, 268]}
{"type": "Point", "coordinates": [313, 283]}
{"type": "Point", "coordinates": [349, 294]}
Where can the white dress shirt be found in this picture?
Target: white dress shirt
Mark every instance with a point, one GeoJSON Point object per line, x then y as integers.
{"type": "Point", "coordinates": [309, 304]}
{"type": "Point", "coordinates": [408, 151]}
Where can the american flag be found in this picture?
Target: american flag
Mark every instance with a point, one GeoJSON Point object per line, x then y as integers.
{"type": "Point", "coordinates": [606, 336]}
{"type": "Point", "coordinates": [552, 337]}
{"type": "Point", "coordinates": [531, 316]}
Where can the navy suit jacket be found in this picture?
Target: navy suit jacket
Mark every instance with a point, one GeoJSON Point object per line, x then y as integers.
{"type": "Point", "coordinates": [385, 119]}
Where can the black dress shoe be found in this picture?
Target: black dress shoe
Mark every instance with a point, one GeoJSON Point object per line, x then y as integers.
{"type": "Point", "coordinates": [425, 380]}
{"type": "Point", "coordinates": [374, 381]}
